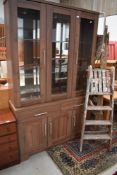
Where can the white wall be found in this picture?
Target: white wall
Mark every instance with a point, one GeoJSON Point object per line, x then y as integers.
{"type": "Point", "coordinates": [1, 11]}
{"type": "Point", "coordinates": [111, 22]}
{"type": "Point", "coordinates": [107, 6]}
{"type": "Point", "coordinates": [3, 67]}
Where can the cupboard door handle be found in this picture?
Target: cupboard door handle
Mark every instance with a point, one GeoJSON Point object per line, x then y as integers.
{"type": "Point", "coordinates": [36, 57]}
{"type": "Point", "coordinates": [77, 17]}
{"type": "Point", "coordinates": [43, 113]}
{"type": "Point", "coordinates": [50, 128]}
{"type": "Point", "coordinates": [77, 54]}
{"type": "Point", "coordinates": [44, 56]}
{"type": "Point", "coordinates": [74, 117]}
{"type": "Point", "coordinates": [78, 105]}
{"type": "Point", "coordinates": [45, 129]}
{"type": "Point", "coordinates": [77, 58]}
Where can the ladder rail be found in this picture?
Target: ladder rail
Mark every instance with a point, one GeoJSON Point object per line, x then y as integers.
{"type": "Point", "coordinates": [85, 107]}
{"type": "Point", "coordinates": [112, 101]}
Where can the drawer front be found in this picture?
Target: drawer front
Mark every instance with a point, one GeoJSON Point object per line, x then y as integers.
{"type": "Point", "coordinates": [7, 129]}
{"type": "Point", "coordinates": [7, 159]}
{"type": "Point", "coordinates": [6, 148]}
{"type": "Point", "coordinates": [71, 104]}
{"type": "Point", "coordinates": [37, 112]}
{"type": "Point", "coordinates": [7, 139]}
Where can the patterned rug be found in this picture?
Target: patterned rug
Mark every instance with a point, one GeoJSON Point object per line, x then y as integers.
{"type": "Point", "coordinates": [94, 159]}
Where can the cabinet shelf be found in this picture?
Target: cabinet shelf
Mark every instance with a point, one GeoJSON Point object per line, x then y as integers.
{"type": "Point", "coordinates": [28, 39]}
{"type": "Point", "coordinates": [66, 42]}
{"type": "Point", "coordinates": [29, 91]}
{"type": "Point", "coordinates": [28, 66]}
{"type": "Point", "coordinates": [3, 59]}
{"type": "Point", "coordinates": [58, 57]}
{"type": "Point", "coordinates": [62, 78]}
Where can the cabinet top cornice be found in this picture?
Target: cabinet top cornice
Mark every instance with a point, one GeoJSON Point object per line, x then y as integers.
{"type": "Point", "coordinates": [57, 4]}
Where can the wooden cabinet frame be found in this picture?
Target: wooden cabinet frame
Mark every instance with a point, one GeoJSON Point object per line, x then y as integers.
{"type": "Point", "coordinates": [62, 107]}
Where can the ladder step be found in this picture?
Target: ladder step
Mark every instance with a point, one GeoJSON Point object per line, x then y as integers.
{"type": "Point", "coordinates": [99, 108]}
{"type": "Point", "coordinates": [96, 137]}
{"type": "Point", "coordinates": [100, 93]}
{"type": "Point", "coordinates": [104, 131]}
{"type": "Point", "coordinates": [98, 122]}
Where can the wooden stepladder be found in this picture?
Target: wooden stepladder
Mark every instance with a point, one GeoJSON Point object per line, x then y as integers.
{"type": "Point", "coordinates": [100, 82]}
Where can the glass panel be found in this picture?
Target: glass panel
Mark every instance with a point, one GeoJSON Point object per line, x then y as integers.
{"type": "Point", "coordinates": [60, 52]}
{"type": "Point", "coordinates": [85, 51]}
{"type": "Point", "coordinates": [29, 52]}
{"type": "Point", "coordinates": [3, 73]}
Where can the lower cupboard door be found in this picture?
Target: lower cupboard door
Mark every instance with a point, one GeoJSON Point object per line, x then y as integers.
{"type": "Point", "coordinates": [58, 127]}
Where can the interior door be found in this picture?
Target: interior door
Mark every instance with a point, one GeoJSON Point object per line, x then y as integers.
{"type": "Point", "coordinates": [31, 24]}
{"type": "Point", "coordinates": [85, 43]}
{"type": "Point", "coordinates": [60, 45]}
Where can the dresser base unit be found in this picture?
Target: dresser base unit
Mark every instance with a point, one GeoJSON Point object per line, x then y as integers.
{"type": "Point", "coordinates": [46, 125]}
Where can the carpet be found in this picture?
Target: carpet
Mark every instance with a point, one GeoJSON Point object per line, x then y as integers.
{"type": "Point", "coordinates": [94, 159]}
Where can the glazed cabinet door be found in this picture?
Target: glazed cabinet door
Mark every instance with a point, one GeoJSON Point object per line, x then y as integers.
{"type": "Point", "coordinates": [35, 135]}
{"type": "Point", "coordinates": [58, 127]}
{"type": "Point", "coordinates": [85, 43]}
{"type": "Point", "coordinates": [60, 22]}
{"type": "Point", "coordinates": [31, 25]}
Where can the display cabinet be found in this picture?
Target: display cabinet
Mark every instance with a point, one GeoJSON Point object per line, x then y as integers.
{"type": "Point", "coordinates": [49, 47]}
